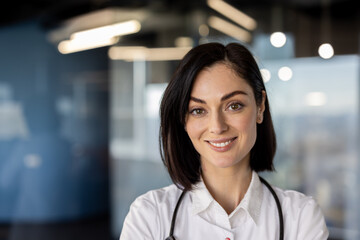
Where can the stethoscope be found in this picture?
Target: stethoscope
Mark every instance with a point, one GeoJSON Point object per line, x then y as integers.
{"type": "Point", "coordinates": [281, 221]}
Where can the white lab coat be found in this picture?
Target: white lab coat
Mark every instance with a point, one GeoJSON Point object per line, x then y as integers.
{"type": "Point", "coordinates": [201, 217]}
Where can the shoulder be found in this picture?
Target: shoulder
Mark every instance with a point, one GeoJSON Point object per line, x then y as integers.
{"type": "Point", "coordinates": [159, 197]}
{"type": "Point", "coordinates": [148, 212]}
{"type": "Point", "coordinates": [294, 202]}
{"type": "Point", "coordinates": [294, 199]}
{"type": "Point", "coordinates": [305, 211]}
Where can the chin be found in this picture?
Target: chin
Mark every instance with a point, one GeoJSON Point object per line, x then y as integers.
{"type": "Point", "coordinates": [224, 162]}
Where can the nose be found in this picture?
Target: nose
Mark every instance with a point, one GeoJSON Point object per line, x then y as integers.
{"type": "Point", "coordinates": [217, 123]}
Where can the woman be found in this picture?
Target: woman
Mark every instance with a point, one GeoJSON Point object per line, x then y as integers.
{"type": "Point", "coordinates": [216, 134]}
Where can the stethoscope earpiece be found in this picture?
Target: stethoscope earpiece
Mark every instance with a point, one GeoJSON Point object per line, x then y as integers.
{"type": "Point", "coordinates": [170, 238]}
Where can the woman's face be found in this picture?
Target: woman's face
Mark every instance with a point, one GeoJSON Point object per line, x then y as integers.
{"type": "Point", "coordinates": [222, 117]}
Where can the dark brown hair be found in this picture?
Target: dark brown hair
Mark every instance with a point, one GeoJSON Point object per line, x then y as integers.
{"type": "Point", "coordinates": [177, 151]}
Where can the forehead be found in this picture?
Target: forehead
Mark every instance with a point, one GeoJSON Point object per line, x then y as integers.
{"type": "Point", "coordinates": [219, 78]}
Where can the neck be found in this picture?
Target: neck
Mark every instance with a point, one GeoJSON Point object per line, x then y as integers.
{"type": "Point", "coordinates": [227, 186]}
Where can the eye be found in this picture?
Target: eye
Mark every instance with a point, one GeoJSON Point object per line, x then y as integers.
{"type": "Point", "coordinates": [197, 111]}
{"type": "Point", "coordinates": [235, 106]}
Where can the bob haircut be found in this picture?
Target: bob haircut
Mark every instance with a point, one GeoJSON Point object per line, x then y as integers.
{"type": "Point", "coordinates": [177, 151]}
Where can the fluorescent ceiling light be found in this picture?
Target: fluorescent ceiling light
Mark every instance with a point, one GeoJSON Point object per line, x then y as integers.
{"type": "Point", "coordinates": [98, 37]}
{"type": "Point", "coordinates": [232, 13]}
{"type": "Point", "coordinates": [229, 29]}
{"type": "Point", "coordinates": [109, 31]}
{"type": "Point", "coordinates": [99, 18]}
{"type": "Point", "coordinates": [77, 45]}
{"type": "Point", "coordinates": [147, 54]}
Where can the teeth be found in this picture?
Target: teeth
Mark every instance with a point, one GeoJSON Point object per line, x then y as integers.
{"type": "Point", "coordinates": [223, 144]}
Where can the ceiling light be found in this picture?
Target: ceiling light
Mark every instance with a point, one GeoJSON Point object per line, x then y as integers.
{"type": "Point", "coordinates": [77, 45]}
{"type": "Point", "coordinates": [232, 13]}
{"type": "Point", "coordinates": [229, 29]}
{"type": "Point", "coordinates": [109, 31]}
{"type": "Point", "coordinates": [266, 75]}
{"type": "Point", "coordinates": [278, 39]}
{"type": "Point", "coordinates": [203, 30]}
{"type": "Point", "coordinates": [326, 51]}
{"type": "Point", "coordinates": [184, 42]}
{"type": "Point", "coordinates": [285, 73]}
{"type": "Point", "coordinates": [147, 54]}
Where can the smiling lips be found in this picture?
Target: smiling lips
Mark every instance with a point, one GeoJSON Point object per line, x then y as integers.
{"type": "Point", "coordinates": [221, 145]}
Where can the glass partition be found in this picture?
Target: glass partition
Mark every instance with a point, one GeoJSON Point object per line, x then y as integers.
{"type": "Point", "coordinates": [316, 121]}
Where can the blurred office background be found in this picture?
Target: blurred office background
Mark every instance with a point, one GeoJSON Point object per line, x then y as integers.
{"type": "Point", "coordinates": [79, 109]}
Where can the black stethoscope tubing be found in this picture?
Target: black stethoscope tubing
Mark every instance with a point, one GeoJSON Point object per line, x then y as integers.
{"type": "Point", "coordinates": [281, 220]}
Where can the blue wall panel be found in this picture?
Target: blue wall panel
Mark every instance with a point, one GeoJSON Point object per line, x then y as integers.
{"type": "Point", "coordinates": [53, 128]}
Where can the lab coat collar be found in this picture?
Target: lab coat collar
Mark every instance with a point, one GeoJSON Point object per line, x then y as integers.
{"type": "Point", "coordinates": [251, 203]}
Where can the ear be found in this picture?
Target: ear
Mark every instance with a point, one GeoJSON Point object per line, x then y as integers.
{"type": "Point", "coordinates": [261, 108]}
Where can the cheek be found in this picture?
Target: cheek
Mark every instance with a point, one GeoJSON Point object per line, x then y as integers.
{"type": "Point", "coordinates": [194, 129]}
{"type": "Point", "coordinates": [246, 125]}
{"type": "Point", "coordinates": [252, 129]}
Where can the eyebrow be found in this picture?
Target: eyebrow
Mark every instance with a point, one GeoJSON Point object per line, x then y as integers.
{"type": "Point", "coordinates": [225, 97]}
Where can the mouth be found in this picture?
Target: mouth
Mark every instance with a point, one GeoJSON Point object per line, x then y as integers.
{"type": "Point", "coordinates": [221, 144]}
